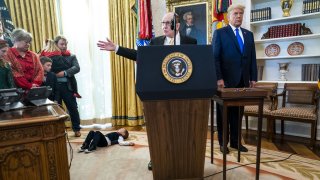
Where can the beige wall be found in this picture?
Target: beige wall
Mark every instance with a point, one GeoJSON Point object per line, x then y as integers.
{"type": "Point", "coordinates": [158, 10]}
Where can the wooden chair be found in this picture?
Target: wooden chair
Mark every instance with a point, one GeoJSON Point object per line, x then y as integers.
{"type": "Point", "coordinates": [299, 104]}
{"type": "Point", "coordinates": [270, 103]}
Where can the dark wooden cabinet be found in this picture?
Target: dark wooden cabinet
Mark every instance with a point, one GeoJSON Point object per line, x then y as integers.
{"type": "Point", "coordinates": [33, 144]}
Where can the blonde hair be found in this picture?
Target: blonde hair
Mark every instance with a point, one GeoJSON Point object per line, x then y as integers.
{"type": "Point", "coordinates": [235, 6]}
{"type": "Point", "coordinates": [50, 46]}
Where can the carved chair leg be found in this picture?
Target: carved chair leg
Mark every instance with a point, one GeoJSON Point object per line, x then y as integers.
{"type": "Point", "coordinates": [269, 126]}
{"type": "Point", "coordinates": [246, 118]}
{"type": "Point", "coordinates": [313, 135]}
{"type": "Point", "coordinates": [282, 127]}
{"type": "Point", "coordinates": [273, 128]}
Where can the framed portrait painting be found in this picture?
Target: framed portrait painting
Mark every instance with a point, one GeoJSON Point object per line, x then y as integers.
{"type": "Point", "coordinates": [195, 18]}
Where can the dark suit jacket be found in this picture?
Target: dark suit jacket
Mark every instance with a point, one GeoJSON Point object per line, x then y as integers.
{"type": "Point", "coordinates": [51, 80]}
{"type": "Point", "coordinates": [231, 65]}
{"type": "Point", "coordinates": [132, 53]}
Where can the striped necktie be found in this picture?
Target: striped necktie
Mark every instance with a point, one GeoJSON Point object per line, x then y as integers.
{"type": "Point", "coordinates": [239, 40]}
{"type": "Point", "coordinates": [171, 42]}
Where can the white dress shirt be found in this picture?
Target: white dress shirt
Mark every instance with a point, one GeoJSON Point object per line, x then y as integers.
{"type": "Point", "coordinates": [167, 40]}
{"type": "Point", "coordinates": [240, 32]}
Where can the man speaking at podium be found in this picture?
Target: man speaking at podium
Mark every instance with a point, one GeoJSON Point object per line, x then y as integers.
{"type": "Point", "coordinates": [236, 67]}
{"type": "Point", "coordinates": [166, 39]}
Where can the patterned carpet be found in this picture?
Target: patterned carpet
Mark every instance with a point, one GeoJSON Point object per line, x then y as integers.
{"type": "Point", "coordinates": [130, 162]}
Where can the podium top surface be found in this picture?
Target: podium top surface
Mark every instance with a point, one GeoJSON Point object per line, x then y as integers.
{"type": "Point", "coordinates": [241, 93]}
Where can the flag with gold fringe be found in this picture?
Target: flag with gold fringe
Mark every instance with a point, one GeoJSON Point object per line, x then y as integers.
{"type": "Point", "coordinates": [219, 13]}
{"type": "Point", "coordinates": [144, 23]}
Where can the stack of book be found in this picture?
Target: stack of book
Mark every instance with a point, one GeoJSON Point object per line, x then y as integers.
{"type": "Point", "coordinates": [311, 6]}
{"type": "Point", "coordinates": [310, 72]}
{"type": "Point", "coordinates": [260, 14]}
{"type": "Point", "coordinates": [285, 30]}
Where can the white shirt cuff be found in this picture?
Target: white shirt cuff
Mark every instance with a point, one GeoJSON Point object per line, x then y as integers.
{"type": "Point", "coordinates": [117, 48]}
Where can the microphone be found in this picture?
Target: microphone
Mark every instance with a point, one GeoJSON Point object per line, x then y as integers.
{"type": "Point", "coordinates": [173, 24]}
{"type": "Point", "coordinates": [173, 27]}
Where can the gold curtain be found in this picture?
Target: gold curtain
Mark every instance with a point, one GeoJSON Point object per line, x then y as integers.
{"type": "Point", "coordinates": [126, 106]}
{"type": "Point", "coordinates": [37, 17]}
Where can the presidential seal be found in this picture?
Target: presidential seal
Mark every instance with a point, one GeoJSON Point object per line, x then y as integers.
{"type": "Point", "coordinates": [177, 67]}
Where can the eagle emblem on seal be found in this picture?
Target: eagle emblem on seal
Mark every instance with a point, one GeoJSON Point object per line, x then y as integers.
{"type": "Point", "coordinates": [177, 67]}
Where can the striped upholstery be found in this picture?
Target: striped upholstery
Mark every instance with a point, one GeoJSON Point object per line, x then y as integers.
{"type": "Point", "coordinates": [254, 109]}
{"type": "Point", "coordinates": [295, 112]}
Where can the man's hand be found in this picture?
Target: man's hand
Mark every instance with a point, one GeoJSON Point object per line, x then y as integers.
{"type": "Point", "coordinates": [131, 143]}
{"type": "Point", "coordinates": [106, 45]}
{"type": "Point", "coordinates": [60, 74]}
{"type": "Point", "coordinates": [252, 84]}
{"type": "Point", "coordinates": [220, 83]}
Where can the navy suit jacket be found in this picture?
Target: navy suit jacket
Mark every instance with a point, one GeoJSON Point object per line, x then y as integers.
{"type": "Point", "coordinates": [132, 53]}
{"type": "Point", "coordinates": [231, 65]}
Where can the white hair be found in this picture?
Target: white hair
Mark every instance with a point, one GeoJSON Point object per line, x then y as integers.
{"type": "Point", "coordinates": [21, 35]}
{"type": "Point", "coordinates": [189, 13]}
{"type": "Point", "coordinates": [235, 6]}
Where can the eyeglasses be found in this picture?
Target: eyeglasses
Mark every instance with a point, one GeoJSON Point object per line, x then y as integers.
{"type": "Point", "coordinates": [166, 23]}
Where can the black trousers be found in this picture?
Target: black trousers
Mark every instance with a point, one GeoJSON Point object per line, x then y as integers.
{"type": "Point", "coordinates": [67, 96]}
{"type": "Point", "coordinates": [95, 139]}
{"type": "Point", "coordinates": [234, 113]}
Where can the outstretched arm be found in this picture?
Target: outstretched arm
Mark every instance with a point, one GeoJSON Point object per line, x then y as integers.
{"type": "Point", "coordinates": [108, 45]}
{"type": "Point", "coordinates": [121, 142]}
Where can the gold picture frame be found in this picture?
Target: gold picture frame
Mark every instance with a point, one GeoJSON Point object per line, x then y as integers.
{"type": "Point", "coordinates": [201, 13]}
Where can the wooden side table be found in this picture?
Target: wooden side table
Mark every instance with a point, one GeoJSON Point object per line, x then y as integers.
{"type": "Point", "coordinates": [238, 97]}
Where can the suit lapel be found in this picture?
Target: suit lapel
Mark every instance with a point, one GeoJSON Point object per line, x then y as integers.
{"type": "Point", "coordinates": [162, 39]}
{"type": "Point", "coordinates": [233, 37]}
{"type": "Point", "coordinates": [245, 40]}
{"type": "Point", "coordinates": [159, 40]}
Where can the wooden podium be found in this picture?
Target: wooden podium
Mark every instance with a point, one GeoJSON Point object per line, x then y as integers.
{"type": "Point", "coordinates": [176, 114]}
{"type": "Point", "coordinates": [33, 144]}
{"type": "Point", "coordinates": [177, 131]}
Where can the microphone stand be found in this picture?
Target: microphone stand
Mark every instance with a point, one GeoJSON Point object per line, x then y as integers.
{"type": "Point", "coordinates": [174, 29]}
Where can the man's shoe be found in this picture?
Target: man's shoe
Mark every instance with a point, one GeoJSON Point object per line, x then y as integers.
{"type": "Point", "coordinates": [227, 150]}
{"type": "Point", "coordinates": [77, 133]}
{"type": "Point", "coordinates": [242, 148]}
{"type": "Point", "coordinates": [150, 166]}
